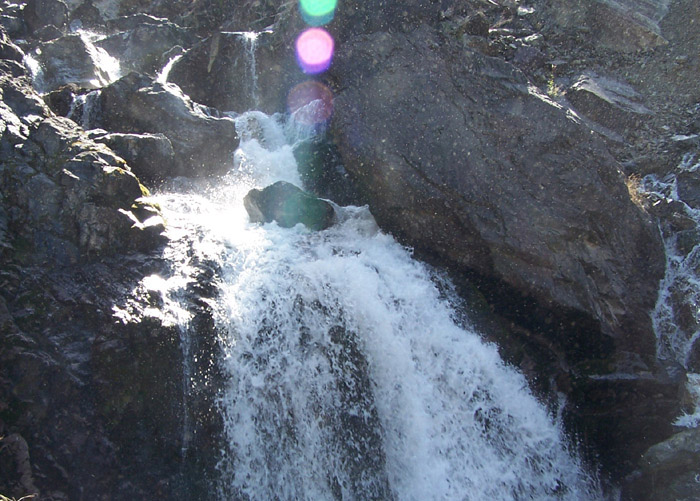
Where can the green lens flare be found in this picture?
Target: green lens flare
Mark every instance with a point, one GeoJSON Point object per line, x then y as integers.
{"type": "Point", "coordinates": [318, 8]}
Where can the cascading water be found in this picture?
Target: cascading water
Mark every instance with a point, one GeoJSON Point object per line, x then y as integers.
{"type": "Point", "coordinates": [677, 316]}
{"type": "Point", "coordinates": [348, 376]}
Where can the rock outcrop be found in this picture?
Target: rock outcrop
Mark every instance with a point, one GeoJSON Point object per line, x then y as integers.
{"type": "Point", "coordinates": [202, 141]}
{"type": "Point", "coordinates": [465, 173]}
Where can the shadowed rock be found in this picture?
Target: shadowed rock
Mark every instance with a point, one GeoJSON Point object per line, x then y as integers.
{"type": "Point", "coordinates": [288, 205]}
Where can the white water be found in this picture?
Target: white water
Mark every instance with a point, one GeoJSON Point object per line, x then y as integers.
{"type": "Point", "coordinates": [349, 377]}
{"type": "Point", "coordinates": [679, 292]}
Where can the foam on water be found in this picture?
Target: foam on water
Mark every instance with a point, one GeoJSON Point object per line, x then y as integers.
{"type": "Point", "coordinates": [348, 375]}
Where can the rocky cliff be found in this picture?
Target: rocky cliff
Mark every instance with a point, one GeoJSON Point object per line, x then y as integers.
{"type": "Point", "coordinates": [502, 140]}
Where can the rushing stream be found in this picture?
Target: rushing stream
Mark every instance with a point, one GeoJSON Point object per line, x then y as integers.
{"type": "Point", "coordinates": [349, 376]}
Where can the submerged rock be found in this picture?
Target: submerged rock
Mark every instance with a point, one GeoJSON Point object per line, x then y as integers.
{"type": "Point", "coordinates": [288, 205]}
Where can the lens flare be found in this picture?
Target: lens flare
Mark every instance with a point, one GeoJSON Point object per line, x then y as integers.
{"type": "Point", "coordinates": [317, 12]}
{"type": "Point", "coordinates": [314, 50]}
{"type": "Point", "coordinates": [310, 103]}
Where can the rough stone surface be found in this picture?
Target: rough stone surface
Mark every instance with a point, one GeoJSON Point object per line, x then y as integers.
{"type": "Point", "coordinates": [609, 102]}
{"type": "Point", "coordinates": [41, 13]}
{"type": "Point", "coordinates": [288, 205]}
{"type": "Point", "coordinates": [669, 470]}
{"type": "Point", "coordinates": [222, 71]}
{"type": "Point", "coordinates": [143, 47]}
{"type": "Point", "coordinates": [203, 143]}
{"type": "Point", "coordinates": [69, 60]}
{"type": "Point", "coordinates": [150, 156]}
{"type": "Point", "coordinates": [464, 172]}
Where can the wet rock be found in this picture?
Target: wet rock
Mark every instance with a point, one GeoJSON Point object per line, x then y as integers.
{"type": "Point", "coordinates": [143, 47]}
{"type": "Point", "coordinates": [203, 143]}
{"type": "Point", "coordinates": [668, 470]}
{"type": "Point", "coordinates": [14, 456]}
{"type": "Point", "coordinates": [611, 103]}
{"type": "Point", "coordinates": [13, 25]}
{"type": "Point", "coordinates": [624, 410]}
{"type": "Point", "coordinates": [537, 205]}
{"type": "Point", "coordinates": [61, 100]}
{"type": "Point", "coordinates": [288, 205]}
{"type": "Point", "coordinates": [233, 72]}
{"type": "Point", "coordinates": [86, 16]}
{"type": "Point", "coordinates": [150, 156]}
{"type": "Point", "coordinates": [69, 60]}
{"type": "Point", "coordinates": [688, 186]}
{"type": "Point", "coordinates": [41, 13]}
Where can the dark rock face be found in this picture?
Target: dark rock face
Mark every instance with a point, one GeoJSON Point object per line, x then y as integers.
{"type": "Point", "coordinates": [41, 13]}
{"type": "Point", "coordinates": [608, 102]}
{"type": "Point", "coordinates": [150, 156]}
{"type": "Point", "coordinates": [621, 25]}
{"type": "Point", "coordinates": [669, 470]}
{"type": "Point", "coordinates": [221, 71]}
{"type": "Point", "coordinates": [203, 143]}
{"type": "Point", "coordinates": [464, 172]}
{"type": "Point", "coordinates": [288, 205]}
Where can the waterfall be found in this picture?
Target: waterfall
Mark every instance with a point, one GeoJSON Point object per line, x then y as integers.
{"type": "Point", "coordinates": [349, 376]}
{"type": "Point", "coordinates": [250, 40]}
{"type": "Point", "coordinates": [677, 316]}
{"type": "Point", "coordinates": [84, 109]}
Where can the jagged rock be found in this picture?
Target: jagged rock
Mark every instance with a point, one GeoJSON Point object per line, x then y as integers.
{"type": "Point", "coordinates": [8, 50]}
{"type": "Point", "coordinates": [288, 205]}
{"type": "Point", "coordinates": [221, 72]}
{"type": "Point", "coordinates": [41, 13]}
{"type": "Point", "coordinates": [86, 16]}
{"type": "Point", "coordinates": [611, 103]}
{"type": "Point", "coordinates": [143, 47]}
{"type": "Point", "coordinates": [61, 100]}
{"type": "Point", "coordinates": [203, 143]}
{"type": "Point", "coordinates": [620, 25]}
{"type": "Point", "coordinates": [69, 60]}
{"type": "Point", "coordinates": [668, 470]}
{"type": "Point", "coordinates": [150, 156]}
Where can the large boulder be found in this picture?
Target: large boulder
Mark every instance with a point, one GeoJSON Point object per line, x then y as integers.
{"type": "Point", "coordinates": [150, 156]}
{"type": "Point", "coordinates": [41, 13]}
{"type": "Point", "coordinates": [288, 205]}
{"type": "Point", "coordinates": [203, 142]}
{"type": "Point", "coordinates": [73, 59]}
{"type": "Point", "coordinates": [668, 470]}
{"type": "Point", "coordinates": [495, 178]}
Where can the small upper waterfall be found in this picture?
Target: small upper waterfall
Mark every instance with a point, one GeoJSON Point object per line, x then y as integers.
{"type": "Point", "coordinates": [349, 376]}
{"type": "Point", "coordinates": [677, 317]}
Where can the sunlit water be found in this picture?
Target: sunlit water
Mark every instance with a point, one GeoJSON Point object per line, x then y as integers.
{"type": "Point", "coordinates": [349, 377]}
